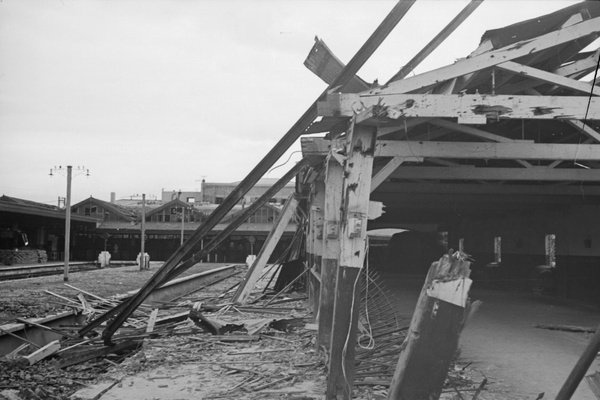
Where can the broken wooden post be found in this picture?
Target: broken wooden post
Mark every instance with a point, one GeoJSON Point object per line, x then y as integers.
{"type": "Point", "coordinates": [580, 368]}
{"type": "Point", "coordinates": [247, 285]}
{"type": "Point", "coordinates": [432, 338]}
{"type": "Point", "coordinates": [356, 190]}
{"type": "Point", "coordinates": [316, 246]}
{"type": "Point", "coordinates": [331, 249]}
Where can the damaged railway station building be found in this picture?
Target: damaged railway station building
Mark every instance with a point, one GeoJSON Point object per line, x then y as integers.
{"type": "Point", "coordinates": [494, 156]}
{"type": "Point", "coordinates": [487, 165]}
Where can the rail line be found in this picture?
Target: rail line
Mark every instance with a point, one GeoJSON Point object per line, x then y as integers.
{"type": "Point", "coordinates": [13, 335]}
{"type": "Point", "coordinates": [9, 273]}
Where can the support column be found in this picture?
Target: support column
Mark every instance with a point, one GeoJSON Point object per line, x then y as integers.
{"type": "Point", "coordinates": [316, 227]}
{"type": "Point", "coordinates": [356, 189]}
{"type": "Point", "coordinates": [331, 249]}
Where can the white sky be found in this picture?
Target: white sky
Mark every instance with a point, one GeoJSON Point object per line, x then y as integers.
{"type": "Point", "coordinates": [159, 94]}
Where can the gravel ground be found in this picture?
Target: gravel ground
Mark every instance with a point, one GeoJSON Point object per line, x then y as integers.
{"type": "Point", "coordinates": [26, 298]}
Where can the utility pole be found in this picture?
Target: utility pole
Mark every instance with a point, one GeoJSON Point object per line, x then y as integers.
{"type": "Point", "coordinates": [142, 236]}
{"type": "Point", "coordinates": [182, 223]}
{"type": "Point", "coordinates": [68, 223]}
{"type": "Point", "coordinates": [68, 212]}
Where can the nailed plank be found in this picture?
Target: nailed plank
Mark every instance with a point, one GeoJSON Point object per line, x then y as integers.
{"type": "Point", "coordinates": [468, 106]}
{"type": "Point", "coordinates": [43, 352]}
{"type": "Point", "coordinates": [152, 320]}
{"type": "Point", "coordinates": [546, 76]}
{"type": "Point", "coordinates": [468, 150]}
{"type": "Point", "coordinates": [497, 174]}
{"type": "Point", "coordinates": [331, 250]}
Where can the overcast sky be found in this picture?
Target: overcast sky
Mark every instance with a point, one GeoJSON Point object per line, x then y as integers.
{"type": "Point", "coordinates": [152, 95]}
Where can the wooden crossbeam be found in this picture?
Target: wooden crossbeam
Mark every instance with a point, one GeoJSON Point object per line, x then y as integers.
{"type": "Point", "coordinates": [468, 106]}
{"type": "Point", "coordinates": [387, 170]}
{"type": "Point", "coordinates": [467, 150]}
{"type": "Point", "coordinates": [584, 128]}
{"type": "Point", "coordinates": [469, 130]}
{"type": "Point", "coordinates": [391, 191]}
{"type": "Point", "coordinates": [498, 174]}
{"type": "Point", "coordinates": [548, 77]}
{"type": "Point", "coordinates": [491, 58]}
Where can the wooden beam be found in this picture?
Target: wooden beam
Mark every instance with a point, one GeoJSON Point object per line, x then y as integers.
{"type": "Point", "coordinates": [548, 77]}
{"type": "Point", "coordinates": [579, 68]}
{"type": "Point", "coordinates": [468, 150]}
{"type": "Point", "coordinates": [432, 339]}
{"type": "Point", "coordinates": [323, 63]}
{"type": "Point", "coordinates": [584, 128]}
{"type": "Point", "coordinates": [478, 107]}
{"type": "Point", "coordinates": [388, 190]}
{"type": "Point", "coordinates": [437, 40]}
{"type": "Point", "coordinates": [498, 174]}
{"type": "Point", "coordinates": [334, 177]}
{"type": "Point", "coordinates": [315, 242]}
{"type": "Point", "coordinates": [385, 172]}
{"type": "Point", "coordinates": [490, 58]}
{"type": "Point", "coordinates": [43, 352]}
{"type": "Point", "coordinates": [249, 282]}
{"type": "Point", "coordinates": [469, 130]}
{"type": "Point", "coordinates": [357, 183]}
{"type": "Point", "coordinates": [167, 269]}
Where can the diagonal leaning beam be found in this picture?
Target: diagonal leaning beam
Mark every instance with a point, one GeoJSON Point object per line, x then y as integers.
{"type": "Point", "coordinates": [437, 40]}
{"type": "Point", "coordinates": [363, 54]}
{"type": "Point", "coordinates": [195, 257]}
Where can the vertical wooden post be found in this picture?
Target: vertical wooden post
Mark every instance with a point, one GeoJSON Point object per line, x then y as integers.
{"type": "Point", "coordinates": [331, 250]}
{"type": "Point", "coordinates": [310, 243]}
{"type": "Point", "coordinates": [316, 227]}
{"type": "Point", "coordinates": [353, 234]}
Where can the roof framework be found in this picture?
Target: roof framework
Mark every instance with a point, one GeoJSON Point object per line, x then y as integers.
{"type": "Point", "coordinates": [520, 109]}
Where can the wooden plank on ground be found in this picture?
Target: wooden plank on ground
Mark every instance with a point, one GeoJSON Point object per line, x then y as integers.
{"type": "Point", "coordinates": [82, 356]}
{"type": "Point", "coordinates": [43, 352]}
{"type": "Point", "coordinates": [152, 320]}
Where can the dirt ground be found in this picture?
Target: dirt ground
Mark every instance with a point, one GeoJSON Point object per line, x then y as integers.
{"type": "Point", "coordinates": [26, 298]}
{"type": "Point", "coordinates": [502, 344]}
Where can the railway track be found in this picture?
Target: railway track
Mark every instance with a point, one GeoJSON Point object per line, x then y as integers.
{"type": "Point", "coordinates": [9, 273]}
{"type": "Point", "coordinates": [11, 334]}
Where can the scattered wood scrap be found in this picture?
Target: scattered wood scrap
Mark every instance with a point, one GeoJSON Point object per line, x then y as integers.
{"type": "Point", "coordinates": [566, 328]}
